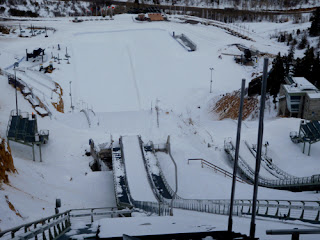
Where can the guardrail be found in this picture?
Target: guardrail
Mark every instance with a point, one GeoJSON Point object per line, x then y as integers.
{"type": "Point", "coordinates": [151, 183]}
{"type": "Point", "coordinates": [307, 211]}
{"type": "Point", "coordinates": [168, 187]}
{"type": "Point", "coordinates": [159, 208]}
{"type": "Point", "coordinates": [293, 184]}
{"type": "Point", "coordinates": [217, 169]}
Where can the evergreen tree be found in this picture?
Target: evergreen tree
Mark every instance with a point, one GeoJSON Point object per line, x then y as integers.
{"type": "Point", "coordinates": [298, 69]}
{"type": "Point", "coordinates": [315, 73]}
{"type": "Point", "coordinates": [314, 30]}
{"type": "Point", "coordinates": [294, 42]}
{"type": "Point", "coordinates": [276, 76]}
{"type": "Point", "coordinates": [298, 31]}
{"type": "Point", "coordinates": [307, 63]}
{"type": "Point", "coordinates": [303, 43]}
{"type": "Point", "coordinates": [288, 60]}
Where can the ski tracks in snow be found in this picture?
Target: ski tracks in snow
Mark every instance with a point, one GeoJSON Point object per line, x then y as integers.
{"type": "Point", "coordinates": [134, 77]}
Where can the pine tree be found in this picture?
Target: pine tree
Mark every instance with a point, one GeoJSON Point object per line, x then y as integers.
{"type": "Point", "coordinates": [298, 69]}
{"type": "Point", "coordinates": [288, 60]}
{"type": "Point", "coordinates": [314, 30]}
{"type": "Point", "coordinates": [315, 73]}
{"type": "Point", "coordinates": [276, 76]}
{"type": "Point", "coordinates": [303, 43]}
{"type": "Point", "coordinates": [307, 63]}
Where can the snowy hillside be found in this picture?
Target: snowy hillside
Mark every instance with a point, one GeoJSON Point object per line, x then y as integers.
{"type": "Point", "coordinates": [42, 8]}
{"type": "Point", "coordinates": [119, 73]}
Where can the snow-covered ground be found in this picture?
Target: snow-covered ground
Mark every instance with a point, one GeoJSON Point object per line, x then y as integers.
{"type": "Point", "coordinates": [123, 71]}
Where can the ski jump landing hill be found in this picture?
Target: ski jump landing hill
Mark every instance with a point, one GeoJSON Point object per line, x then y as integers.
{"type": "Point", "coordinates": [140, 183]}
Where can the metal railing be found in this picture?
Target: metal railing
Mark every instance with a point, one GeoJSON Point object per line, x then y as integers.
{"type": "Point", "coordinates": [50, 227]}
{"type": "Point", "coordinates": [269, 166]}
{"type": "Point", "coordinates": [149, 176]}
{"type": "Point", "coordinates": [297, 184]}
{"type": "Point", "coordinates": [87, 116]}
{"type": "Point", "coordinates": [308, 211]}
{"type": "Point", "coordinates": [54, 226]}
{"type": "Point", "coordinates": [159, 207]}
{"type": "Point", "coordinates": [168, 187]}
{"type": "Point", "coordinates": [295, 233]}
{"type": "Point", "coordinates": [217, 169]}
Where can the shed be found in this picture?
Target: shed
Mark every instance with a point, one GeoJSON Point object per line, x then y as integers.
{"type": "Point", "coordinates": [155, 17]}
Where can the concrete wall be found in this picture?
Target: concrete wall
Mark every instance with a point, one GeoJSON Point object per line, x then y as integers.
{"type": "Point", "coordinates": [311, 108]}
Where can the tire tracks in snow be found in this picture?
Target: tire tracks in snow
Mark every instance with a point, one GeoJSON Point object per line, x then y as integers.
{"type": "Point", "coordinates": [134, 77]}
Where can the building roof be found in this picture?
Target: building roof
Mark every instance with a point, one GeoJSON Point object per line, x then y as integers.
{"type": "Point", "coordinates": [300, 85]}
{"type": "Point", "coordinates": [304, 84]}
{"type": "Point", "coordinates": [313, 95]}
{"type": "Point", "coordinates": [155, 16]}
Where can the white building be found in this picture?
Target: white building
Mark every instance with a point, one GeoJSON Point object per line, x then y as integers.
{"type": "Point", "coordinates": [299, 98]}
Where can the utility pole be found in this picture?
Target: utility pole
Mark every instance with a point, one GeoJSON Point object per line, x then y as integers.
{"type": "Point", "coordinates": [259, 148]}
{"type": "Point", "coordinates": [157, 110]}
{"type": "Point", "coordinates": [235, 166]}
{"type": "Point", "coordinates": [211, 69]}
{"type": "Point", "coordinates": [15, 65]}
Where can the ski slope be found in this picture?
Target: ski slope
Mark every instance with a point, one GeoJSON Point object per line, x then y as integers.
{"type": "Point", "coordinates": [136, 173]}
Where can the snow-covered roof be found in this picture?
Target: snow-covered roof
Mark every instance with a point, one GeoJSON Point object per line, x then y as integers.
{"type": "Point", "coordinates": [300, 84]}
{"type": "Point", "coordinates": [303, 84]}
{"type": "Point", "coordinates": [314, 95]}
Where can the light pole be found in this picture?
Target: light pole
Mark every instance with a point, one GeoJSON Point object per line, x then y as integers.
{"type": "Point", "coordinates": [211, 79]}
{"type": "Point", "coordinates": [15, 65]}
{"type": "Point", "coordinates": [71, 95]}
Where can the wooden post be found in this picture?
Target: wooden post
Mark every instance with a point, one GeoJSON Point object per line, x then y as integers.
{"type": "Point", "coordinates": [40, 153]}
{"type": "Point", "coordinates": [33, 152]}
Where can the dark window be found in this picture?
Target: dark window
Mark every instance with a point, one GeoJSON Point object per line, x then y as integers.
{"type": "Point", "coordinates": [295, 98]}
{"type": "Point", "coordinates": [295, 107]}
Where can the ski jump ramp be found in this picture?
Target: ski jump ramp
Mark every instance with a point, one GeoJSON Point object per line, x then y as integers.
{"type": "Point", "coordinates": [139, 185]}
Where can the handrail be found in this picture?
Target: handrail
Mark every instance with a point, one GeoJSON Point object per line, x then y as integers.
{"type": "Point", "coordinates": [59, 222]}
{"type": "Point", "coordinates": [312, 181]}
{"type": "Point", "coordinates": [153, 207]}
{"type": "Point", "coordinates": [308, 211]}
{"type": "Point", "coordinates": [151, 183]}
{"type": "Point", "coordinates": [168, 187]}
{"type": "Point", "coordinates": [294, 232]}
{"type": "Point", "coordinates": [216, 168]}
{"type": "Point", "coordinates": [35, 223]}
{"type": "Point", "coordinates": [87, 116]}
{"type": "Point", "coordinates": [267, 162]}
